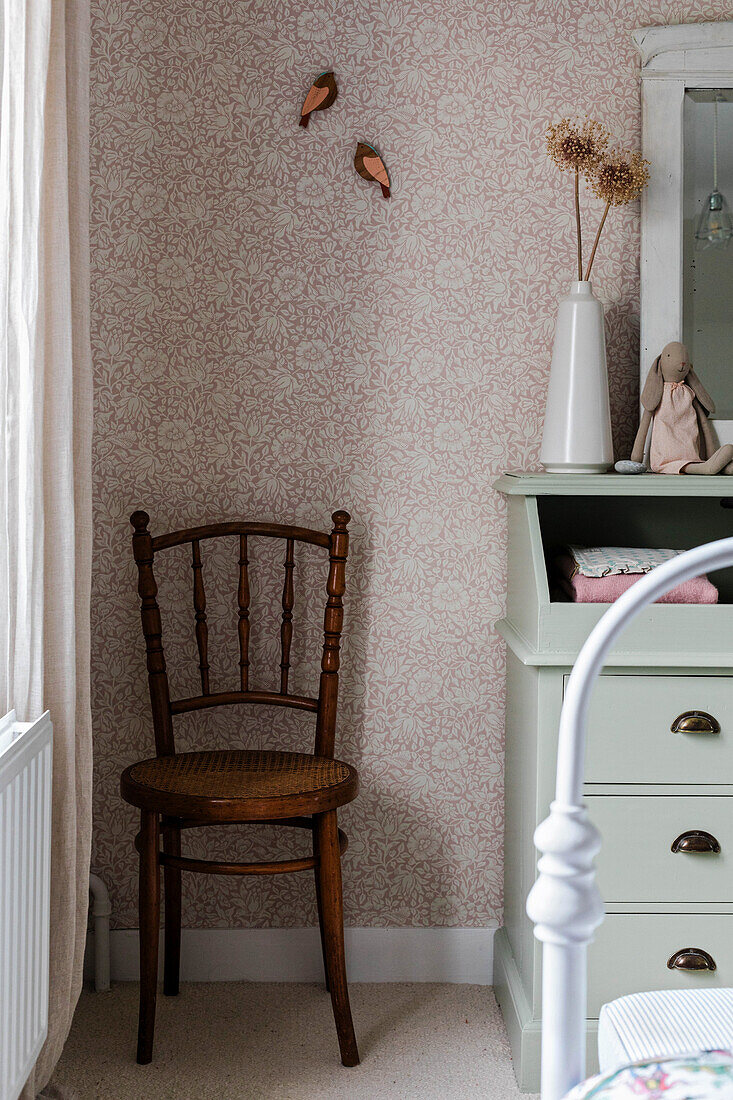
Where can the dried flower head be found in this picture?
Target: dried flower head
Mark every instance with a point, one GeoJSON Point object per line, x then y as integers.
{"type": "Point", "coordinates": [577, 145]}
{"type": "Point", "coordinates": [620, 177]}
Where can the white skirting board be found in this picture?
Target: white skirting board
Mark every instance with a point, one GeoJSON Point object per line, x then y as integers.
{"type": "Point", "coordinates": [458, 955]}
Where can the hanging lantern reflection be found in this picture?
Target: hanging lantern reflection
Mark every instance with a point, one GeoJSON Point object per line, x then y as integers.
{"type": "Point", "coordinates": [714, 226]}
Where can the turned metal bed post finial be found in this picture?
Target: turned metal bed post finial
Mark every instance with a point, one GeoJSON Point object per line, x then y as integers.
{"type": "Point", "coordinates": [564, 904]}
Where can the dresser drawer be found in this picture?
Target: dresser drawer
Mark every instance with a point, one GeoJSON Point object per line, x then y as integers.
{"type": "Point", "coordinates": [636, 862]}
{"type": "Point", "coordinates": [631, 951]}
{"type": "Point", "coordinates": [629, 735]}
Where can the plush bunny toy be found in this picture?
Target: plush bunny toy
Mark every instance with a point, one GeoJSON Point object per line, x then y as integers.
{"type": "Point", "coordinates": [676, 405]}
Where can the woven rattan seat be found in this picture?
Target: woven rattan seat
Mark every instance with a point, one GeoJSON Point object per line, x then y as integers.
{"type": "Point", "coordinates": [255, 783]}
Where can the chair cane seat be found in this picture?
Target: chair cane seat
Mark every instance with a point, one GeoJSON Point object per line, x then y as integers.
{"type": "Point", "coordinates": [254, 784]}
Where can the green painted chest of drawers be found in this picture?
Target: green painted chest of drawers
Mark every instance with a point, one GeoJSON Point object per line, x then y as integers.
{"type": "Point", "coordinates": [654, 781]}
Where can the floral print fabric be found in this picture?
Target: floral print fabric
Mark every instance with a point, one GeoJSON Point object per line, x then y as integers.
{"type": "Point", "coordinates": [602, 561]}
{"type": "Point", "coordinates": [706, 1076]}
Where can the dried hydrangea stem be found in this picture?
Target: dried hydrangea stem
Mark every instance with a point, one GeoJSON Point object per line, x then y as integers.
{"type": "Point", "coordinates": [577, 225]}
{"type": "Point", "coordinates": [595, 243]}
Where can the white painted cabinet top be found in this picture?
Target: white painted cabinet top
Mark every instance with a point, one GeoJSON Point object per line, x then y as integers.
{"type": "Point", "coordinates": [618, 485]}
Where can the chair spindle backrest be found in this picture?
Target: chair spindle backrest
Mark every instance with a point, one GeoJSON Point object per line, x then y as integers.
{"type": "Point", "coordinates": [145, 547]}
{"type": "Point", "coordinates": [199, 605]}
{"type": "Point", "coordinates": [243, 604]}
{"type": "Point", "coordinates": [286, 630]}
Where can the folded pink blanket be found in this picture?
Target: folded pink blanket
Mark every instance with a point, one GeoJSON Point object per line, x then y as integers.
{"type": "Point", "coordinates": [582, 589]}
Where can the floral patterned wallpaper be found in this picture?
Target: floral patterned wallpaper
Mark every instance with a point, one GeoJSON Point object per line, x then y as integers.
{"type": "Point", "coordinates": [274, 339]}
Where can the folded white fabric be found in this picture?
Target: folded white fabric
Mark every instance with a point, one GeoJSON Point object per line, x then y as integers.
{"type": "Point", "coordinates": [662, 1023]}
{"type": "Point", "coordinates": [602, 561]}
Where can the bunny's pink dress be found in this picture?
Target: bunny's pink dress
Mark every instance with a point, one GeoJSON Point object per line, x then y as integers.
{"type": "Point", "coordinates": [675, 430]}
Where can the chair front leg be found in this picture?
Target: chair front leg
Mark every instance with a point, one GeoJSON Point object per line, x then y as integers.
{"type": "Point", "coordinates": [329, 876]}
{"type": "Point", "coordinates": [172, 883]}
{"type": "Point", "coordinates": [317, 873]}
{"type": "Point", "coordinates": [149, 910]}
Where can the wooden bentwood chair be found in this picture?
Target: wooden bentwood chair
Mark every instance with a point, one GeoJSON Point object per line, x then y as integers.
{"type": "Point", "coordinates": [176, 791]}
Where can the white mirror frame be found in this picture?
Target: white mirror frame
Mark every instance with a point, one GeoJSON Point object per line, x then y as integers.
{"type": "Point", "coordinates": [673, 58]}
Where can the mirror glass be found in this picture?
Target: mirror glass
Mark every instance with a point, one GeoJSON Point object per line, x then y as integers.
{"type": "Point", "coordinates": [707, 285]}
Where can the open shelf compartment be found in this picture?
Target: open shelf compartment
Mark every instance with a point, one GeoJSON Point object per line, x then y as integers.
{"type": "Point", "coordinates": [656, 511]}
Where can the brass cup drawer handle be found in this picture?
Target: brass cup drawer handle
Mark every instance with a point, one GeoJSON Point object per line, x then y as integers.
{"type": "Point", "coordinates": [695, 721]}
{"type": "Point", "coordinates": [695, 840]}
{"type": "Point", "coordinates": [691, 958]}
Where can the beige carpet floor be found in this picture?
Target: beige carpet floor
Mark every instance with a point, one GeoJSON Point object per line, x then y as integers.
{"type": "Point", "coordinates": [246, 1041]}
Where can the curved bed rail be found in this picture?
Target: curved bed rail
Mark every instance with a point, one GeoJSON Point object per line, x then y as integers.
{"type": "Point", "coordinates": [564, 904]}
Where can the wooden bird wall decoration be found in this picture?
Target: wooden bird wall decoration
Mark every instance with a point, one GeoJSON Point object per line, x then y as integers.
{"type": "Point", "coordinates": [370, 166]}
{"type": "Point", "coordinates": [322, 94]}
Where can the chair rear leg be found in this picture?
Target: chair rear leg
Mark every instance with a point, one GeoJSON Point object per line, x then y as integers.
{"type": "Point", "coordinates": [329, 876]}
{"type": "Point", "coordinates": [149, 909]}
{"type": "Point", "coordinates": [319, 905]}
{"type": "Point", "coordinates": [172, 882]}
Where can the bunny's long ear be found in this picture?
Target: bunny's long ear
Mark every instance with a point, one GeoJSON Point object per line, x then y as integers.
{"type": "Point", "coordinates": [700, 392]}
{"type": "Point", "coordinates": [651, 395]}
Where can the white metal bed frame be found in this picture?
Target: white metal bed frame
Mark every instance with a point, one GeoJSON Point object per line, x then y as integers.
{"type": "Point", "coordinates": [564, 903]}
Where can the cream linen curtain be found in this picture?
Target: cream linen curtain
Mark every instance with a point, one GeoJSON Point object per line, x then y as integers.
{"type": "Point", "coordinates": [45, 466]}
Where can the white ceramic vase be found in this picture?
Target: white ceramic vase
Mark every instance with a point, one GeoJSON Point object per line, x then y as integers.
{"type": "Point", "coordinates": [577, 434]}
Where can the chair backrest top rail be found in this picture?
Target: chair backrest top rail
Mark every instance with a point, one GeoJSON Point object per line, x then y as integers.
{"type": "Point", "coordinates": [224, 698]}
{"type": "Point", "coordinates": [216, 530]}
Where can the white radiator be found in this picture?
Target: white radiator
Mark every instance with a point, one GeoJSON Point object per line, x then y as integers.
{"type": "Point", "coordinates": [25, 864]}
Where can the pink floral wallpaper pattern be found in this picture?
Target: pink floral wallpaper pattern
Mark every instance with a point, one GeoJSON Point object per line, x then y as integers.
{"type": "Point", "coordinates": [273, 339]}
